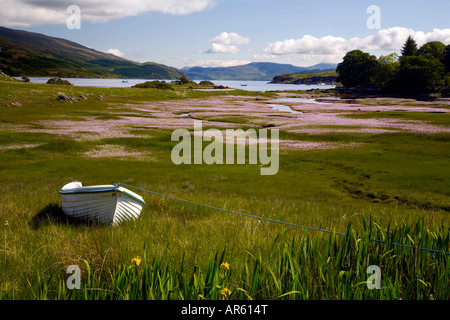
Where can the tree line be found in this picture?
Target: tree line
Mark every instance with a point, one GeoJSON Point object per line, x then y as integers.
{"type": "Point", "coordinates": [424, 69]}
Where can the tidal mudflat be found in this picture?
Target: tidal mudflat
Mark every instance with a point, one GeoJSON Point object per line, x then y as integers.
{"type": "Point", "coordinates": [228, 111]}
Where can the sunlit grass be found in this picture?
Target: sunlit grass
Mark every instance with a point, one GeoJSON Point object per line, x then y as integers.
{"type": "Point", "coordinates": [393, 187]}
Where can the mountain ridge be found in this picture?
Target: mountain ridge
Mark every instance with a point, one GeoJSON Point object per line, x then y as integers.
{"type": "Point", "coordinates": [25, 53]}
{"type": "Point", "coordinates": [265, 71]}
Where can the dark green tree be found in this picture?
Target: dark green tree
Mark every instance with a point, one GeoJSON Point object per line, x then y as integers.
{"type": "Point", "coordinates": [387, 70]}
{"type": "Point", "coordinates": [432, 49]}
{"type": "Point", "coordinates": [409, 47]}
{"type": "Point", "coordinates": [447, 58]}
{"type": "Point", "coordinates": [420, 73]}
{"type": "Point", "coordinates": [357, 70]}
{"type": "Point", "coordinates": [184, 80]}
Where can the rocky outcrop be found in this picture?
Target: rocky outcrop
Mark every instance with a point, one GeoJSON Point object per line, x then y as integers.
{"type": "Point", "coordinates": [66, 98]}
{"type": "Point", "coordinates": [58, 81]}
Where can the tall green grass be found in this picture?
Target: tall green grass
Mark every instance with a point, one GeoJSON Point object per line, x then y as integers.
{"type": "Point", "coordinates": [310, 266]}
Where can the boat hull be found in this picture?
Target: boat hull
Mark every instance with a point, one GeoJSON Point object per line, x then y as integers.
{"type": "Point", "coordinates": [105, 204]}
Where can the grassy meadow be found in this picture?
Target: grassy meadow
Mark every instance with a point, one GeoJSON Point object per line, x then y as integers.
{"type": "Point", "coordinates": [392, 186]}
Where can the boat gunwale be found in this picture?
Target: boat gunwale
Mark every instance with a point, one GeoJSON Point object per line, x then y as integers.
{"type": "Point", "coordinates": [92, 189]}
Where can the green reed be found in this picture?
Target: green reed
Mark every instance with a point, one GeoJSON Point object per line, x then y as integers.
{"type": "Point", "coordinates": [311, 266]}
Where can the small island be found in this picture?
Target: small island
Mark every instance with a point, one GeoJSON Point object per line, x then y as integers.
{"type": "Point", "coordinates": [325, 78]}
{"type": "Point", "coordinates": [182, 82]}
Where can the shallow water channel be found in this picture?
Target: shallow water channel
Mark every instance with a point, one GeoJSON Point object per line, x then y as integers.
{"type": "Point", "coordinates": [282, 107]}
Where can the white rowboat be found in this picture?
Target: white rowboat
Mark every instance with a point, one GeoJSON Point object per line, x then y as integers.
{"type": "Point", "coordinates": [111, 204]}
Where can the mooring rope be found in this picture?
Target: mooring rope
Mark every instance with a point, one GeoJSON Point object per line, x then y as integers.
{"type": "Point", "coordinates": [280, 222]}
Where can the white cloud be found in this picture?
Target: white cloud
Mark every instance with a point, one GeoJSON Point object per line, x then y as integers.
{"type": "Point", "coordinates": [217, 63]}
{"type": "Point", "coordinates": [306, 60]}
{"type": "Point", "coordinates": [222, 48]}
{"type": "Point", "coordinates": [306, 44]}
{"type": "Point", "coordinates": [115, 52]}
{"type": "Point", "coordinates": [333, 48]}
{"type": "Point", "coordinates": [262, 57]}
{"type": "Point", "coordinates": [230, 38]}
{"type": "Point", "coordinates": [32, 12]}
{"type": "Point", "coordinates": [227, 42]}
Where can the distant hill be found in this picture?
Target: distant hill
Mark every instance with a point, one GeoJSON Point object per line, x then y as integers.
{"type": "Point", "coordinates": [326, 77]}
{"type": "Point", "coordinates": [33, 54]}
{"type": "Point", "coordinates": [252, 71]}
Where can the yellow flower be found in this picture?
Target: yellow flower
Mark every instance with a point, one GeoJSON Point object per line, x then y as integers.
{"type": "Point", "coordinates": [225, 265]}
{"type": "Point", "coordinates": [225, 292]}
{"type": "Point", "coordinates": [137, 260]}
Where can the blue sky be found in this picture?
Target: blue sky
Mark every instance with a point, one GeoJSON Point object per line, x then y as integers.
{"type": "Point", "coordinates": [231, 32]}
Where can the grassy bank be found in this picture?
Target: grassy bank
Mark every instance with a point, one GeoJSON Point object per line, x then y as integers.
{"type": "Point", "coordinates": [393, 187]}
